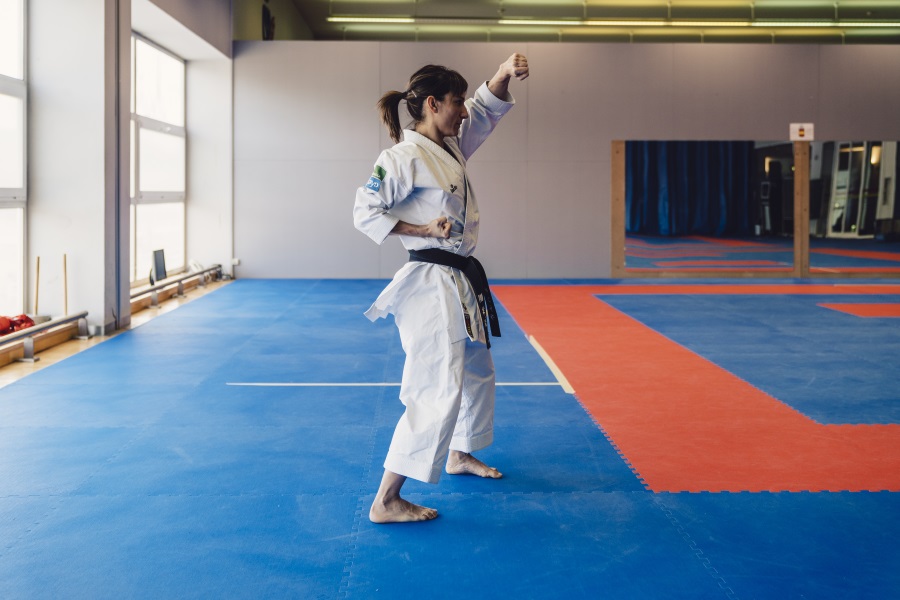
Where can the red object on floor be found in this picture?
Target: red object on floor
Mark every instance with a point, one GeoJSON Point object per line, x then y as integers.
{"type": "Point", "coordinates": [866, 310]}
{"type": "Point", "coordinates": [682, 422]}
{"type": "Point", "coordinates": [719, 263]}
{"type": "Point", "coordinates": [870, 254]}
{"type": "Point", "coordinates": [14, 324]}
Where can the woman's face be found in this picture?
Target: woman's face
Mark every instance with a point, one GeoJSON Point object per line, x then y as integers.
{"type": "Point", "coordinates": [450, 114]}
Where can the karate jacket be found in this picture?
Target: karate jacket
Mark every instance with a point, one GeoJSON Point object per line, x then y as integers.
{"type": "Point", "coordinates": [417, 181]}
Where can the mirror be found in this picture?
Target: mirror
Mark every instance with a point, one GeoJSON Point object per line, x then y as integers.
{"type": "Point", "coordinates": [707, 208]}
{"type": "Point", "coordinates": [854, 213]}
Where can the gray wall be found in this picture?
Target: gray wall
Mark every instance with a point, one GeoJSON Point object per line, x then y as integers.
{"type": "Point", "coordinates": [74, 134]}
{"type": "Point", "coordinates": [306, 136]}
{"type": "Point", "coordinates": [210, 20]}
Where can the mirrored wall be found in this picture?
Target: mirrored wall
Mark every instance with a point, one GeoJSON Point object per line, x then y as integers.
{"type": "Point", "coordinates": [755, 208]}
{"type": "Point", "coordinates": [853, 207]}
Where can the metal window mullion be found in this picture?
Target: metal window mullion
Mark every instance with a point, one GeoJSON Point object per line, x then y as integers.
{"type": "Point", "coordinates": [160, 126]}
{"type": "Point", "coordinates": [12, 86]}
{"type": "Point", "coordinates": [136, 158]}
{"type": "Point", "coordinates": [151, 197]}
{"type": "Point", "coordinates": [160, 198]}
{"type": "Point", "coordinates": [17, 88]}
{"type": "Point", "coordinates": [156, 46]}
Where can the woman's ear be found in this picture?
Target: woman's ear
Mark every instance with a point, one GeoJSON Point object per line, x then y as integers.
{"type": "Point", "coordinates": [432, 103]}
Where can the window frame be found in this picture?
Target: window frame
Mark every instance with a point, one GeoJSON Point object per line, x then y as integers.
{"type": "Point", "coordinates": [18, 88]}
{"type": "Point", "coordinates": [17, 198]}
{"type": "Point", "coordinates": [139, 122]}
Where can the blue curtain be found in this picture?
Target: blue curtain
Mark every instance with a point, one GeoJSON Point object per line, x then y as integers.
{"type": "Point", "coordinates": [689, 188]}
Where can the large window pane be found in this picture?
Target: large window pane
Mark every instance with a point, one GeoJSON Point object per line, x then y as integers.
{"type": "Point", "coordinates": [132, 237]}
{"type": "Point", "coordinates": [11, 261]}
{"type": "Point", "coordinates": [161, 162]}
{"type": "Point", "coordinates": [12, 46]}
{"type": "Point", "coordinates": [133, 156]}
{"type": "Point", "coordinates": [160, 85]}
{"type": "Point", "coordinates": [159, 227]}
{"type": "Point", "coordinates": [158, 168]}
{"type": "Point", "coordinates": [12, 149]}
{"type": "Point", "coordinates": [133, 70]}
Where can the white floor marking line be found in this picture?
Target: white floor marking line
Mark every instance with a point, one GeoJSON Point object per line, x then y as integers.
{"type": "Point", "coordinates": [292, 384]}
{"type": "Point", "coordinates": [566, 386]}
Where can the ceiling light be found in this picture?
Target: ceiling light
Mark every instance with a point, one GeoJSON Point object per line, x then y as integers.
{"type": "Point", "coordinates": [373, 20]}
{"type": "Point", "coordinates": [614, 23]}
{"type": "Point", "coordinates": [695, 23]}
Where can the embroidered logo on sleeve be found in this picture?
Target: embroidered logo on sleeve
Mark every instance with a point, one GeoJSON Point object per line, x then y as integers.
{"type": "Point", "coordinates": [376, 179]}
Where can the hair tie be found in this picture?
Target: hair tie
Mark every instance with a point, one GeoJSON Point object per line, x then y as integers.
{"type": "Point", "coordinates": [409, 93]}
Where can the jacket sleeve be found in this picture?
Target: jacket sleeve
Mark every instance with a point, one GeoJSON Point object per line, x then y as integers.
{"type": "Point", "coordinates": [374, 200]}
{"type": "Point", "coordinates": [485, 111]}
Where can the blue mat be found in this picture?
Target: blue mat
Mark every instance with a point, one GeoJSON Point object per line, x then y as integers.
{"type": "Point", "coordinates": [134, 470]}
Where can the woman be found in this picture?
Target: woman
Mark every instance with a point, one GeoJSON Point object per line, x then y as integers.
{"type": "Point", "coordinates": [419, 191]}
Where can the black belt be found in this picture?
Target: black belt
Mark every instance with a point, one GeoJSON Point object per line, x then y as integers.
{"type": "Point", "coordinates": [474, 272]}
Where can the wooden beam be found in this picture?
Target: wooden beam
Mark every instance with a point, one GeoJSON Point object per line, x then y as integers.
{"type": "Point", "coordinates": [801, 209]}
{"type": "Point", "coordinates": [617, 210]}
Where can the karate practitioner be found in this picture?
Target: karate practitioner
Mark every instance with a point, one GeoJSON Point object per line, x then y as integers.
{"type": "Point", "coordinates": [419, 191]}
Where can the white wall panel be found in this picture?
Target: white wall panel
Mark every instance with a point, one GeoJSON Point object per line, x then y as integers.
{"type": "Point", "coordinates": [646, 84]}
{"type": "Point", "coordinates": [860, 93]}
{"type": "Point", "coordinates": [742, 91]}
{"type": "Point", "coordinates": [306, 100]}
{"type": "Point", "coordinates": [502, 189]}
{"type": "Point", "coordinates": [72, 158]}
{"type": "Point", "coordinates": [294, 219]}
{"type": "Point", "coordinates": [569, 100]}
{"type": "Point", "coordinates": [567, 229]}
{"type": "Point", "coordinates": [209, 204]}
{"type": "Point", "coordinates": [543, 178]}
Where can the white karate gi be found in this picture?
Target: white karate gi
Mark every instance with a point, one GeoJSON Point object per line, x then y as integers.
{"type": "Point", "coordinates": [448, 377]}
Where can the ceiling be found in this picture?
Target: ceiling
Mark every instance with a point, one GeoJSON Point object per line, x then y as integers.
{"type": "Point", "coordinates": [695, 21]}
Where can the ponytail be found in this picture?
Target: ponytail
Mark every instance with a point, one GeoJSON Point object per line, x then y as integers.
{"type": "Point", "coordinates": [430, 80]}
{"type": "Point", "coordinates": [389, 108]}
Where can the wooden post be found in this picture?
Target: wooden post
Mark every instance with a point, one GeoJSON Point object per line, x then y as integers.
{"type": "Point", "coordinates": [801, 209]}
{"type": "Point", "coordinates": [37, 284]}
{"type": "Point", "coordinates": [617, 210]}
{"type": "Point", "coordinates": [65, 287]}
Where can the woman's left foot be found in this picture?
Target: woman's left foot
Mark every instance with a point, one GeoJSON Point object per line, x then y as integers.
{"type": "Point", "coordinates": [463, 463]}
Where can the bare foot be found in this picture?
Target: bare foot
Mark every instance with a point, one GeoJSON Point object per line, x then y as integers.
{"type": "Point", "coordinates": [389, 507]}
{"type": "Point", "coordinates": [399, 510]}
{"type": "Point", "coordinates": [463, 463]}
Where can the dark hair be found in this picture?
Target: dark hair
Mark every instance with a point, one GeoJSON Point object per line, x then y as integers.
{"type": "Point", "coordinates": [430, 80]}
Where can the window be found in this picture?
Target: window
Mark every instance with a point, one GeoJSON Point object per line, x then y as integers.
{"type": "Point", "coordinates": [13, 108]}
{"type": "Point", "coordinates": [158, 158]}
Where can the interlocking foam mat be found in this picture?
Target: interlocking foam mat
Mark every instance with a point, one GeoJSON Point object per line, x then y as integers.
{"type": "Point", "coordinates": [231, 449]}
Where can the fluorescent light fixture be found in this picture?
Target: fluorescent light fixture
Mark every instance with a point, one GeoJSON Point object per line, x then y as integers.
{"type": "Point", "coordinates": [834, 24]}
{"type": "Point", "coordinates": [616, 23]}
{"type": "Point", "coordinates": [611, 23]}
{"type": "Point", "coordinates": [374, 20]}
{"type": "Point", "coordinates": [695, 24]}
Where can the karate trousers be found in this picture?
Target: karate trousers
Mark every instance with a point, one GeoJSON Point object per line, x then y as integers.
{"type": "Point", "coordinates": [448, 390]}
